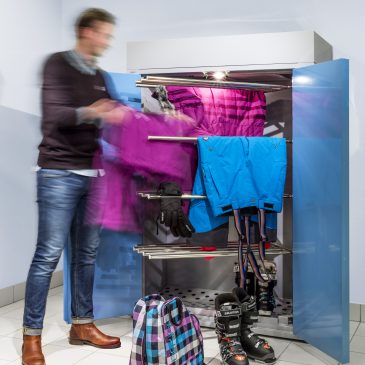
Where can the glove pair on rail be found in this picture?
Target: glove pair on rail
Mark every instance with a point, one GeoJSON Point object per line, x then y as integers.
{"type": "Point", "coordinates": [171, 213]}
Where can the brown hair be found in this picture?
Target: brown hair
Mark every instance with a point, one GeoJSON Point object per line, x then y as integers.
{"type": "Point", "coordinates": [87, 18]}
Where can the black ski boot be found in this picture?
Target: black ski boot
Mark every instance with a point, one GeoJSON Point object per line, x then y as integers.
{"type": "Point", "coordinates": [256, 348]}
{"type": "Point", "coordinates": [228, 320]}
{"type": "Point", "coordinates": [265, 291]}
{"type": "Point", "coordinates": [265, 298]}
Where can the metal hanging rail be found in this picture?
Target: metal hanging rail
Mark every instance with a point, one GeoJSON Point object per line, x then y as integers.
{"type": "Point", "coordinates": [172, 139]}
{"type": "Point", "coordinates": [152, 81]}
{"type": "Point", "coordinates": [155, 196]}
{"type": "Point", "coordinates": [184, 139]}
{"type": "Point", "coordinates": [169, 251]}
{"type": "Point", "coordinates": [230, 245]}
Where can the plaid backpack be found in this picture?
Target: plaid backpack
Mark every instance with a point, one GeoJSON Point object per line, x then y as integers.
{"type": "Point", "coordinates": [164, 332]}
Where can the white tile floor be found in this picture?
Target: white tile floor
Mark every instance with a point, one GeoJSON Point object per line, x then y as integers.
{"type": "Point", "coordinates": [59, 352]}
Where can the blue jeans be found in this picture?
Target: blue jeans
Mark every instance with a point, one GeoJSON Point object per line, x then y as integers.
{"type": "Point", "coordinates": [63, 198]}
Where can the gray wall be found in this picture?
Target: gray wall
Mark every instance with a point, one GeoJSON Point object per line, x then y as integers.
{"type": "Point", "coordinates": [29, 30]}
{"type": "Point", "coordinates": [19, 135]}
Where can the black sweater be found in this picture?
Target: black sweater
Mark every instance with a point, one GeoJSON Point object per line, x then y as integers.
{"type": "Point", "coordinates": [67, 144]}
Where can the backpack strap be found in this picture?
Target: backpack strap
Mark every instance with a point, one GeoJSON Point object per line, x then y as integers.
{"type": "Point", "coordinates": [154, 345]}
{"type": "Point", "coordinates": [179, 304]}
{"type": "Point", "coordinates": [138, 352]}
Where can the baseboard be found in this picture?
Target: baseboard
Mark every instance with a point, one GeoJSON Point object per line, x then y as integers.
{"type": "Point", "coordinates": [15, 293]}
{"type": "Point", "coordinates": [355, 312]}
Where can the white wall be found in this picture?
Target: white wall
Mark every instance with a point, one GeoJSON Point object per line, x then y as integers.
{"type": "Point", "coordinates": [29, 30]}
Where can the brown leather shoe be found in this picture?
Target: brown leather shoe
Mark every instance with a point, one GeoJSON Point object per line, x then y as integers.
{"type": "Point", "coordinates": [88, 334]}
{"type": "Point", "coordinates": [32, 351]}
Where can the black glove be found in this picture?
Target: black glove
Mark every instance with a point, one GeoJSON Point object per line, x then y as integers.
{"type": "Point", "coordinates": [171, 214]}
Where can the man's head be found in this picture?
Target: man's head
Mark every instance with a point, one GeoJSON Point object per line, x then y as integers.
{"type": "Point", "coordinates": [94, 30]}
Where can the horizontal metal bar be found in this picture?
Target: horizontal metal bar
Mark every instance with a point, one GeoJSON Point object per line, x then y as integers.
{"type": "Point", "coordinates": [232, 244]}
{"type": "Point", "coordinates": [154, 196]}
{"type": "Point", "coordinates": [187, 256]}
{"type": "Point", "coordinates": [182, 139]}
{"type": "Point", "coordinates": [213, 85]}
{"type": "Point", "coordinates": [153, 80]}
{"type": "Point", "coordinates": [175, 245]}
{"type": "Point", "coordinates": [222, 82]}
{"type": "Point", "coordinates": [202, 252]}
{"type": "Point", "coordinates": [172, 139]}
{"type": "Point", "coordinates": [175, 250]}
{"type": "Point", "coordinates": [177, 255]}
{"type": "Point", "coordinates": [166, 251]}
{"type": "Point", "coordinates": [191, 250]}
{"type": "Point", "coordinates": [147, 85]}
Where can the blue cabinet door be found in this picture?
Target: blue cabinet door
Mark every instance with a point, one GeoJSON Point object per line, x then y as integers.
{"type": "Point", "coordinates": [118, 270]}
{"type": "Point", "coordinates": [122, 87]}
{"type": "Point", "coordinates": [321, 206]}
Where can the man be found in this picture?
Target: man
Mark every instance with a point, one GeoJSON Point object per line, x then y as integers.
{"type": "Point", "coordinates": [75, 102]}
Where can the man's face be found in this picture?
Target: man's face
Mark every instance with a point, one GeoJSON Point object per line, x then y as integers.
{"type": "Point", "coordinates": [99, 37]}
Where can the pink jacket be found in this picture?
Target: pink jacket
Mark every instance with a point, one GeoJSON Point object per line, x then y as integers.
{"type": "Point", "coordinates": [132, 163]}
{"type": "Point", "coordinates": [221, 112]}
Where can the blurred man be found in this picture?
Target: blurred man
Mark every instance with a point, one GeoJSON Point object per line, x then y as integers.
{"type": "Point", "coordinates": [75, 103]}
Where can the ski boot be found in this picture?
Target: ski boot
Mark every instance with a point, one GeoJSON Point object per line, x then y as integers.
{"type": "Point", "coordinates": [256, 348]}
{"type": "Point", "coordinates": [265, 291]}
{"type": "Point", "coordinates": [265, 298]}
{"type": "Point", "coordinates": [228, 320]}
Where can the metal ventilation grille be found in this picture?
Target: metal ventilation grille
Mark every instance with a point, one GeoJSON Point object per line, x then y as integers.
{"type": "Point", "coordinates": [194, 297]}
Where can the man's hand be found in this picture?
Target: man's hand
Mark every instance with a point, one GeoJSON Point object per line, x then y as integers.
{"type": "Point", "coordinates": [109, 111]}
{"type": "Point", "coordinates": [99, 107]}
{"type": "Point", "coordinates": [116, 115]}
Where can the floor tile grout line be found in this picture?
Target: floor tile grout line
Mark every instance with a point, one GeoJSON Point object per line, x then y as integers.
{"type": "Point", "coordinates": [17, 338]}
{"type": "Point", "coordinates": [88, 355]}
{"type": "Point", "coordinates": [91, 350]}
{"type": "Point", "coordinates": [318, 357]}
{"type": "Point", "coordinates": [357, 352]}
{"type": "Point", "coordinates": [43, 344]}
{"type": "Point", "coordinates": [353, 335]}
{"type": "Point", "coordinates": [8, 335]}
{"type": "Point", "coordinates": [218, 357]}
{"type": "Point", "coordinates": [11, 305]}
{"type": "Point", "coordinates": [278, 358]}
{"type": "Point", "coordinates": [13, 361]}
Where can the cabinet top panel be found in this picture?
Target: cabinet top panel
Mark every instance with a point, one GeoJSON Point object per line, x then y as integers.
{"type": "Point", "coordinates": [263, 51]}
